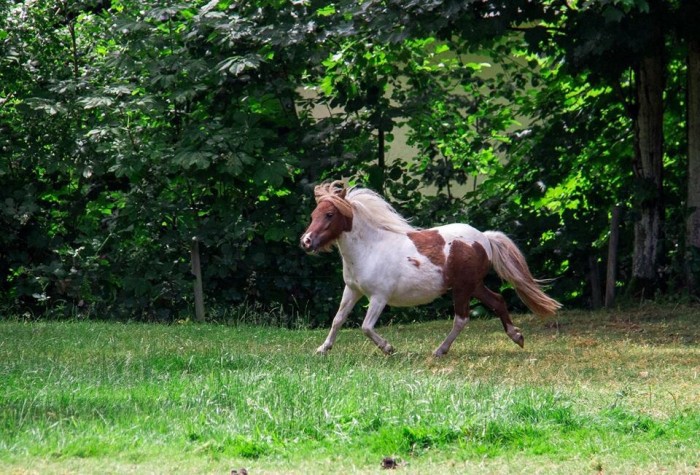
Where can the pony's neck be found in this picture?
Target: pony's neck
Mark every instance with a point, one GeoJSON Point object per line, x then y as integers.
{"type": "Point", "coordinates": [361, 239]}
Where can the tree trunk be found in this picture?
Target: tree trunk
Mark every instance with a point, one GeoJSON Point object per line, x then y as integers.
{"type": "Point", "coordinates": [692, 242]}
{"type": "Point", "coordinates": [381, 157]}
{"type": "Point", "coordinates": [198, 289]}
{"type": "Point", "coordinates": [648, 170]}
{"type": "Point", "coordinates": [611, 274]}
{"type": "Point", "coordinates": [596, 295]}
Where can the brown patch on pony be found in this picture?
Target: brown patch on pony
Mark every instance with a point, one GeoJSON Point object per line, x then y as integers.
{"type": "Point", "coordinates": [414, 261]}
{"type": "Point", "coordinates": [466, 266]}
{"type": "Point", "coordinates": [431, 244]}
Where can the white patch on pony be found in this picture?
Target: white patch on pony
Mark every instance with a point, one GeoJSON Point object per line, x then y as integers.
{"type": "Point", "coordinates": [463, 232]}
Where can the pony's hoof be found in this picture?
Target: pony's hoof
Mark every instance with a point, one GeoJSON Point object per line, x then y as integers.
{"type": "Point", "coordinates": [388, 349]}
{"type": "Point", "coordinates": [322, 350]}
{"type": "Point", "coordinates": [518, 338]}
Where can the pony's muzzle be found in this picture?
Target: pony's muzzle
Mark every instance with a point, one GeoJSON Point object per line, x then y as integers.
{"type": "Point", "coordinates": [307, 243]}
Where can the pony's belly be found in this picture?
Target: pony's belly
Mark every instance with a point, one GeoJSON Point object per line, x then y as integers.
{"type": "Point", "coordinates": [410, 296]}
{"type": "Point", "coordinates": [412, 300]}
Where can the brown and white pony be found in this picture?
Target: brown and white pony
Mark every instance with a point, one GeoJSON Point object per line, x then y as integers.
{"type": "Point", "coordinates": [391, 262]}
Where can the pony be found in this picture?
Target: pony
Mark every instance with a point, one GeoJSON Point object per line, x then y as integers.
{"type": "Point", "coordinates": [393, 263]}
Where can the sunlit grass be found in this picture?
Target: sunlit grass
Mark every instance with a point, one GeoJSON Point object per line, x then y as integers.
{"type": "Point", "coordinates": [615, 391]}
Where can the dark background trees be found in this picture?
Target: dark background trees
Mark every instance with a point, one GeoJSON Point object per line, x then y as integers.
{"type": "Point", "coordinates": [130, 128]}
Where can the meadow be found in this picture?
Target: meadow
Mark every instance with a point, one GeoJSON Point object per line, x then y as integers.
{"type": "Point", "coordinates": [610, 391]}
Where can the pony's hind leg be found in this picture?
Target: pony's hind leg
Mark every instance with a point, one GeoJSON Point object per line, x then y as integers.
{"type": "Point", "coordinates": [466, 266]}
{"type": "Point", "coordinates": [497, 303]}
{"type": "Point", "coordinates": [459, 323]}
{"type": "Point", "coordinates": [460, 297]}
{"type": "Point", "coordinates": [376, 305]}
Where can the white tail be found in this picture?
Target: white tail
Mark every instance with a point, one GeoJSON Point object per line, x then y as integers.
{"type": "Point", "coordinates": [509, 263]}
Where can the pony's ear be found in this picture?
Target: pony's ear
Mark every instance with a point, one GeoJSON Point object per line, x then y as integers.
{"type": "Point", "coordinates": [338, 188]}
{"type": "Point", "coordinates": [335, 188]}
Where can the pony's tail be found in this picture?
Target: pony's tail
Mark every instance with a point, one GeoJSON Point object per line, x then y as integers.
{"type": "Point", "coordinates": [509, 263]}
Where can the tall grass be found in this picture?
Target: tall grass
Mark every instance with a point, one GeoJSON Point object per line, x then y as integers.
{"type": "Point", "coordinates": [616, 392]}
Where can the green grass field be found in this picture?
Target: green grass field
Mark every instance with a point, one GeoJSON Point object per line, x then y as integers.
{"type": "Point", "coordinates": [613, 392]}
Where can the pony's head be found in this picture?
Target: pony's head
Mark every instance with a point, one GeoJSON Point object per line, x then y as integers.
{"type": "Point", "coordinates": [331, 217]}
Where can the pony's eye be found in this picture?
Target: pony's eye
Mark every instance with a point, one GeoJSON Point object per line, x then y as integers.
{"type": "Point", "coordinates": [329, 215]}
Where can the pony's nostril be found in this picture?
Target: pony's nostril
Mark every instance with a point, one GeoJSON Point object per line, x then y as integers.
{"type": "Point", "coordinates": [306, 241]}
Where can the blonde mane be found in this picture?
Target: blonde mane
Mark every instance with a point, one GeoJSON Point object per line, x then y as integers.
{"type": "Point", "coordinates": [364, 203]}
{"type": "Point", "coordinates": [334, 192]}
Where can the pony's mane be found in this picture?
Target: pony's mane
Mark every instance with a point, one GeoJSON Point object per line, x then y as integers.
{"type": "Point", "coordinates": [364, 203]}
{"type": "Point", "coordinates": [375, 210]}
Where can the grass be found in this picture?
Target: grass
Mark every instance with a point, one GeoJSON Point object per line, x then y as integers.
{"type": "Point", "coordinates": [614, 392]}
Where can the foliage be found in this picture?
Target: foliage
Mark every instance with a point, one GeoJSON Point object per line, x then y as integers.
{"type": "Point", "coordinates": [179, 126]}
{"type": "Point", "coordinates": [130, 128]}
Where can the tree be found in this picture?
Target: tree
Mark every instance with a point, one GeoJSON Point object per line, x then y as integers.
{"type": "Point", "coordinates": [620, 45]}
{"type": "Point", "coordinates": [691, 11]}
{"type": "Point", "coordinates": [647, 116]}
{"type": "Point", "coordinates": [168, 121]}
{"type": "Point", "coordinates": [130, 128]}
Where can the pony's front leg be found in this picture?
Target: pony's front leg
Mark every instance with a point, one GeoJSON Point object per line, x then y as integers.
{"type": "Point", "coordinates": [350, 298]}
{"type": "Point", "coordinates": [376, 305]}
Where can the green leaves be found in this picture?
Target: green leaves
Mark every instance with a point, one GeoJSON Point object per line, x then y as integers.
{"type": "Point", "coordinates": [328, 10]}
{"type": "Point", "coordinates": [141, 125]}
{"type": "Point", "coordinates": [272, 174]}
{"type": "Point", "coordinates": [193, 159]}
{"type": "Point", "coordinates": [236, 163]}
{"type": "Point", "coordinates": [176, 125]}
{"type": "Point", "coordinates": [96, 102]}
{"type": "Point", "coordinates": [237, 65]}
